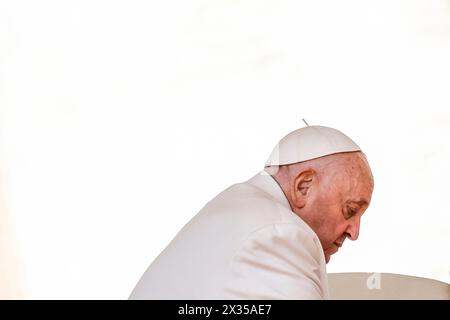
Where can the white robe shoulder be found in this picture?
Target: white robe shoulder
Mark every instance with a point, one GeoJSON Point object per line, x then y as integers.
{"type": "Point", "coordinates": [246, 243]}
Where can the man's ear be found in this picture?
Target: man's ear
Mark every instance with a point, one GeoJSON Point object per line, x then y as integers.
{"type": "Point", "coordinates": [302, 186]}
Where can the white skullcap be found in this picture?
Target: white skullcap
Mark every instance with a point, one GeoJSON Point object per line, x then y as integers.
{"type": "Point", "coordinates": [309, 143]}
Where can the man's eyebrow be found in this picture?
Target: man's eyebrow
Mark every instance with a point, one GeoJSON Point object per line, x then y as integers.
{"type": "Point", "coordinates": [360, 202]}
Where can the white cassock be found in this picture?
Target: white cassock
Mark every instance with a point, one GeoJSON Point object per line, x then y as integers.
{"type": "Point", "coordinates": [244, 244]}
{"type": "Point", "coordinates": [247, 243]}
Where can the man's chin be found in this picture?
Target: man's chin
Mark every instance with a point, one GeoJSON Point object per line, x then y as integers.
{"type": "Point", "coordinates": [329, 252]}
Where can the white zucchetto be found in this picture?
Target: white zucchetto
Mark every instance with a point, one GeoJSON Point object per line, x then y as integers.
{"type": "Point", "coordinates": [309, 143]}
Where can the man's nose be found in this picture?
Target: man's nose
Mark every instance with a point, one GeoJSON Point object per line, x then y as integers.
{"type": "Point", "coordinates": [353, 229]}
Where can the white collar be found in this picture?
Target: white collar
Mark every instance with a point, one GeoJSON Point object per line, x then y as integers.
{"type": "Point", "coordinates": [268, 184]}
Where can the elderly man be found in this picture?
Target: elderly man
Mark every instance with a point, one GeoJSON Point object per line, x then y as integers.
{"type": "Point", "coordinates": [271, 236]}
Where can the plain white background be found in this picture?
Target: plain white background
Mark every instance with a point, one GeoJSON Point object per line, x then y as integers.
{"type": "Point", "coordinates": [121, 119]}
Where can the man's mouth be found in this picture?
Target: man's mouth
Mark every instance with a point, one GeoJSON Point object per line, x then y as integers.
{"type": "Point", "coordinates": [338, 244]}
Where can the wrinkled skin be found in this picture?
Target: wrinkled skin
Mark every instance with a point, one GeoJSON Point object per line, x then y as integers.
{"type": "Point", "coordinates": [330, 194]}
